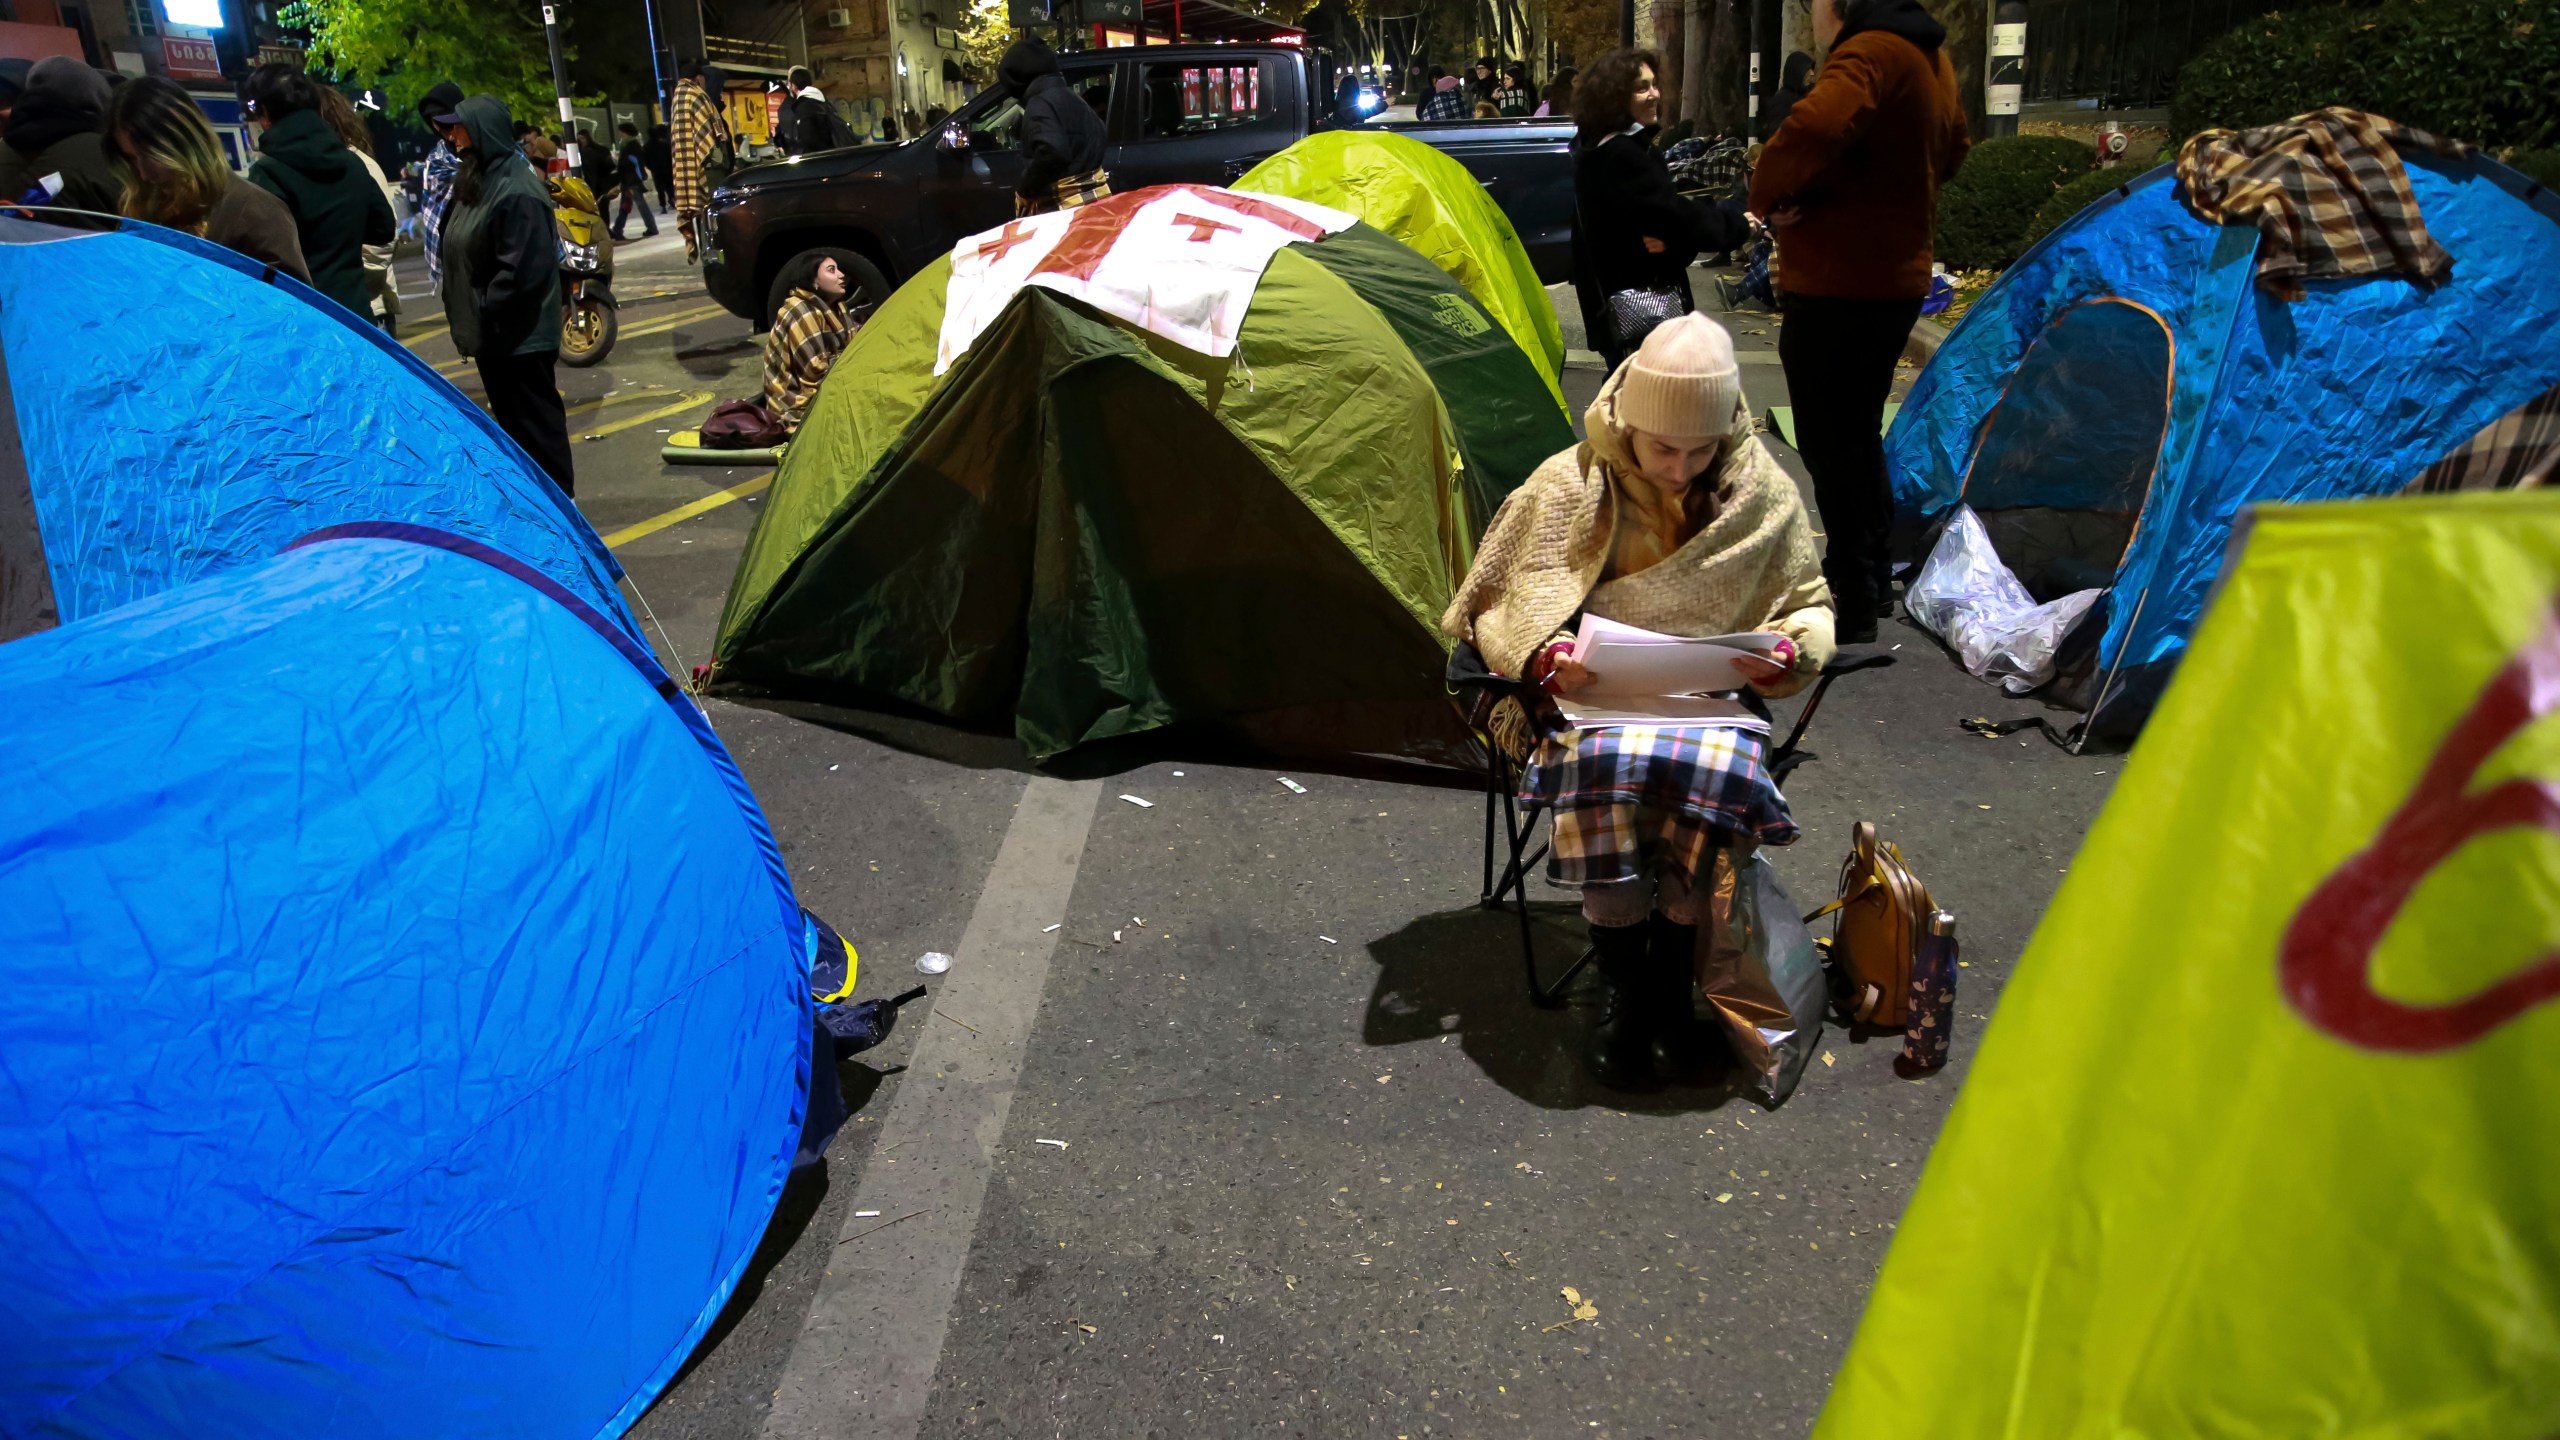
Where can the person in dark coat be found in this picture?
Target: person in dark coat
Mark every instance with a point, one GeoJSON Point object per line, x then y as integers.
{"type": "Point", "coordinates": [808, 125]}
{"type": "Point", "coordinates": [175, 176]}
{"type": "Point", "coordinates": [1061, 136]}
{"type": "Point", "coordinates": [1793, 81]}
{"type": "Point", "coordinates": [1636, 230]}
{"type": "Point", "coordinates": [659, 155]}
{"type": "Point", "coordinates": [502, 283]}
{"type": "Point", "coordinates": [632, 177]}
{"type": "Point", "coordinates": [58, 129]}
{"type": "Point", "coordinates": [337, 208]}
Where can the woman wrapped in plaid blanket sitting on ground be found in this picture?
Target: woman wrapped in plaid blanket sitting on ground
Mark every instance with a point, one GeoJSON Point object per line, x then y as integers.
{"type": "Point", "coordinates": [1670, 516]}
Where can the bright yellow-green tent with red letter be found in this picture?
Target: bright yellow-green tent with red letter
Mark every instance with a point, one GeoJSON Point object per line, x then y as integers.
{"type": "Point", "coordinates": [2265, 1138]}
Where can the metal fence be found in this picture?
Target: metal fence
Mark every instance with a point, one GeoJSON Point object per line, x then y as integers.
{"type": "Point", "coordinates": [2122, 54]}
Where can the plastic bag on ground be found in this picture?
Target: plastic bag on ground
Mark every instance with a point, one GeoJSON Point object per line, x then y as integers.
{"type": "Point", "coordinates": [1968, 598]}
{"type": "Point", "coordinates": [1758, 969]}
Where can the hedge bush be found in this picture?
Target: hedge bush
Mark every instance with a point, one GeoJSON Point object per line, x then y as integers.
{"type": "Point", "coordinates": [2476, 70]}
{"type": "Point", "coordinates": [1983, 211]}
{"type": "Point", "coordinates": [2071, 199]}
{"type": "Point", "coordinates": [2542, 165]}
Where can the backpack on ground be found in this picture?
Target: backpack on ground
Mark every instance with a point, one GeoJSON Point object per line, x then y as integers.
{"type": "Point", "coordinates": [1884, 915]}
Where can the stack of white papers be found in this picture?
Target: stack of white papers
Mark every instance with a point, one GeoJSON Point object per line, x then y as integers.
{"type": "Point", "coordinates": [1641, 677]}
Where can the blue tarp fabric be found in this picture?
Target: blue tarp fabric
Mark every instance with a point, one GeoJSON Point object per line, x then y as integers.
{"type": "Point", "coordinates": [182, 415]}
{"type": "Point", "coordinates": [2349, 392]}
{"type": "Point", "coordinates": [407, 1027]}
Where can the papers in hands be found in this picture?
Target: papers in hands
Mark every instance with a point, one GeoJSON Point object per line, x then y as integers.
{"type": "Point", "coordinates": [1642, 677]}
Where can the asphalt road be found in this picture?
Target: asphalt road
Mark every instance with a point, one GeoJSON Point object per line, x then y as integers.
{"type": "Point", "coordinates": [1326, 1170]}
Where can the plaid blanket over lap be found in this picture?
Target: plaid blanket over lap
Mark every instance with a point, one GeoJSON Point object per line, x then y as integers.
{"type": "Point", "coordinates": [1631, 800]}
{"type": "Point", "coordinates": [2326, 192]}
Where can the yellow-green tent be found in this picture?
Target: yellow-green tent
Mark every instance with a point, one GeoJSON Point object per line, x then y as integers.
{"type": "Point", "coordinates": [2263, 1138]}
{"type": "Point", "coordinates": [1429, 201]}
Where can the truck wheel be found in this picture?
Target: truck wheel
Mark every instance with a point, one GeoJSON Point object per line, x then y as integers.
{"type": "Point", "coordinates": [865, 289]}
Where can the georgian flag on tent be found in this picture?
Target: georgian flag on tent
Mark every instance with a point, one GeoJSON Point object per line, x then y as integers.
{"type": "Point", "coordinates": [1180, 261]}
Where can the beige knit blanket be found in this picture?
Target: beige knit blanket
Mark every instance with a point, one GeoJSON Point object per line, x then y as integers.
{"type": "Point", "coordinates": [1752, 568]}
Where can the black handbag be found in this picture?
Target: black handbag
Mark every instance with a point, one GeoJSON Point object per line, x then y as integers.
{"type": "Point", "coordinates": [1633, 314]}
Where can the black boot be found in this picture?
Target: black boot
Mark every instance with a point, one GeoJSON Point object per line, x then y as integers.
{"type": "Point", "coordinates": [1619, 1052]}
{"type": "Point", "coordinates": [1685, 1049]}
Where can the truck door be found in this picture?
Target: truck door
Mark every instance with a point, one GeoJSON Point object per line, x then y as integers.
{"type": "Point", "coordinates": [1205, 120]}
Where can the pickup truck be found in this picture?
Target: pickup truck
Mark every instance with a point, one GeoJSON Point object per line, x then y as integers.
{"type": "Point", "coordinates": [1202, 114]}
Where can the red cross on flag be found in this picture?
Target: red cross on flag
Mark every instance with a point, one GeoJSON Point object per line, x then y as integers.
{"type": "Point", "coordinates": [1180, 261]}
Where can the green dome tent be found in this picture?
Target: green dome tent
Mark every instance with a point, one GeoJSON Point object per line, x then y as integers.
{"type": "Point", "coordinates": [1427, 200]}
{"type": "Point", "coordinates": [1083, 529]}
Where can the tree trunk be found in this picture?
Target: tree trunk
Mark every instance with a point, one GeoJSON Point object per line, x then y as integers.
{"type": "Point", "coordinates": [1666, 43]}
{"type": "Point", "coordinates": [1697, 96]}
{"type": "Point", "coordinates": [1968, 25]}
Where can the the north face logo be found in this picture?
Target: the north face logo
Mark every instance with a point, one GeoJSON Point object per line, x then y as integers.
{"type": "Point", "coordinates": [1458, 315]}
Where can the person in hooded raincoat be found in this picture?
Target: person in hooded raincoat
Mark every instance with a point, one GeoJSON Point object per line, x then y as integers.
{"type": "Point", "coordinates": [1794, 79]}
{"type": "Point", "coordinates": [55, 151]}
{"type": "Point", "coordinates": [337, 208]}
{"type": "Point", "coordinates": [1061, 136]}
{"type": "Point", "coordinates": [1672, 517]}
{"type": "Point", "coordinates": [502, 283]}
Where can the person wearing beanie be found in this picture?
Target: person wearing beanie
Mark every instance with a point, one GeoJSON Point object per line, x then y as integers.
{"type": "Point", "coordinates": [1850, 184]}
{"type": "Point", "coordinates": [1672, 517]}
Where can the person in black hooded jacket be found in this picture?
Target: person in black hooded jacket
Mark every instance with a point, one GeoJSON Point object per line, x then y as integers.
{"type": "Point", "coordinates": [337, 208]}
{"type": "Point", "coordinates": [1636, 230]}
{"type": "Point", "coordinates": [58, 128]}
{"type": "Point", "coordinates": [502, 283]}
{"type": "Point", "coordinates": [1061, 136]}
{"type": "Point", "coordinates": [1794, 79]}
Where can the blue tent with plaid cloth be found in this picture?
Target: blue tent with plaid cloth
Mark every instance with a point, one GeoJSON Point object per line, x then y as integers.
{"type": "Point", "coordinates": [2125, 390]}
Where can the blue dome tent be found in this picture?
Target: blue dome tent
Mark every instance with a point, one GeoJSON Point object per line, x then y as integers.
{"type": "Point", "coordinates": [409, 1028]}
{"type": "Point", "coordinates": [408, 1031]}
{"type": "Point", "coordinates": [180, 410]}
{"type": "Point", "coordinates": [2111, 405]}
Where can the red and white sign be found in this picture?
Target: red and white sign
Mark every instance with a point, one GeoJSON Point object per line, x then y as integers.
{"type": "Point", "coordinates": [1180, 261]}
{"type": "Point", "coordinates": [190, 59]}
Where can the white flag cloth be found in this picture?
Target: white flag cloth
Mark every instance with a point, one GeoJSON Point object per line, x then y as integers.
{"type": "Point", "coordinates": [1180, 261]}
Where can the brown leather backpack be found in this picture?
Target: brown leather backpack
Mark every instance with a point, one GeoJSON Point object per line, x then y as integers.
{"type": "Point", "coordinates": [1884, 913]}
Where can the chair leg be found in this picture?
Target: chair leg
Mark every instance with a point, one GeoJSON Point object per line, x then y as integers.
{"type": "Point", "coordinates": [1492, 783]}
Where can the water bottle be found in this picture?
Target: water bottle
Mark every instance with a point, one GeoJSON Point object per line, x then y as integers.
{"type": "Point", "coordinates": [1930, 1027]}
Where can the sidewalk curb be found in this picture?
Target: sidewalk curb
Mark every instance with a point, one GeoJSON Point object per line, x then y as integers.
{"type": "Point", "coordinates": [1926, 336]}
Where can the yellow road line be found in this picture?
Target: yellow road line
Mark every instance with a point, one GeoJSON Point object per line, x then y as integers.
{"type": "Point", "coordinates": [663, 323]}
{"type": "Point", "coordinates": [422, 335]}
{"type": "Point", "coordinates": [683, 403]}
{"type": "Point", "coordinates": [620, 397]}
{"type": "Point", "coordinates": [712, 501]}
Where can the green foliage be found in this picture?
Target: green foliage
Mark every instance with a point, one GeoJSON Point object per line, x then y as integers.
{"type": "Point", "coordinates": [2542, 165]}
{"type": "Point", "coordinates": [403, 47]}
{"type": "Point", "coordinates": [2476, 70]}
{"type": "Point", "coordinates": [1986, 208]}
{"type": "Point", "coordinates": [2070, 200]}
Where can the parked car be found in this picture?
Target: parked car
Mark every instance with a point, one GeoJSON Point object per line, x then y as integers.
{"type": "Point", "coordinates": [1202, 114]}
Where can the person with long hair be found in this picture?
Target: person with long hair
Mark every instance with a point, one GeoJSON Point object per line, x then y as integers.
{"type": "Point", "coordinates": [1850, 184]}
{"type": "Point", "coordinates": [1556, 101]}
{"type": "Point", "coordinates": [502, 283]}
{"type": "Point", "coordinates": [810, 329]}
{"type": "Point", "coordinates": [1637, 232]}
{"type": "Point", "coordinates": [337, 208]}
{"type": "Point", "coordinates": [172, 172]}
{"type": "Point", "coordinates": [1514, 97]}
{"type": "Point", "coordinates": [340, 112]}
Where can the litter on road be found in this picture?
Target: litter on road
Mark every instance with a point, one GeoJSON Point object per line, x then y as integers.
{"type": "Point", "coordinates": [1061, 1144]}
{"type": "Point", "coordinates": [1294, 787]}
{"type": "Point", "coordinates": [932, 962]}
{"type": "Point", "coordinates": [1141, 804]}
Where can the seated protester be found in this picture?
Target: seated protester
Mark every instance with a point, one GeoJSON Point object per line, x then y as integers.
{"type": "Point", "coordinates": [1672, 517]}
{"type": "Point", "coordinates": [811, 327]}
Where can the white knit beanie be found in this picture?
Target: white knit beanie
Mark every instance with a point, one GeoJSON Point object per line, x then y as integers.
{"type": "Point", "coordinates": [1682, 380]}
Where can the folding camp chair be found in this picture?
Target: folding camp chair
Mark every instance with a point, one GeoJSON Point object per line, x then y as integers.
{"type": "Point", "coordinates": [1478, 689]}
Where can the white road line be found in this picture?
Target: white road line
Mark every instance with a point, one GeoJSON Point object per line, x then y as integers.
{"type": "Point", "coordinates": [865, 1358]}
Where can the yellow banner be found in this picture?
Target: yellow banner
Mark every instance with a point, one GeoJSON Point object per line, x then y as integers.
{"type": "Point", "coordinates": [2264, 1139]}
